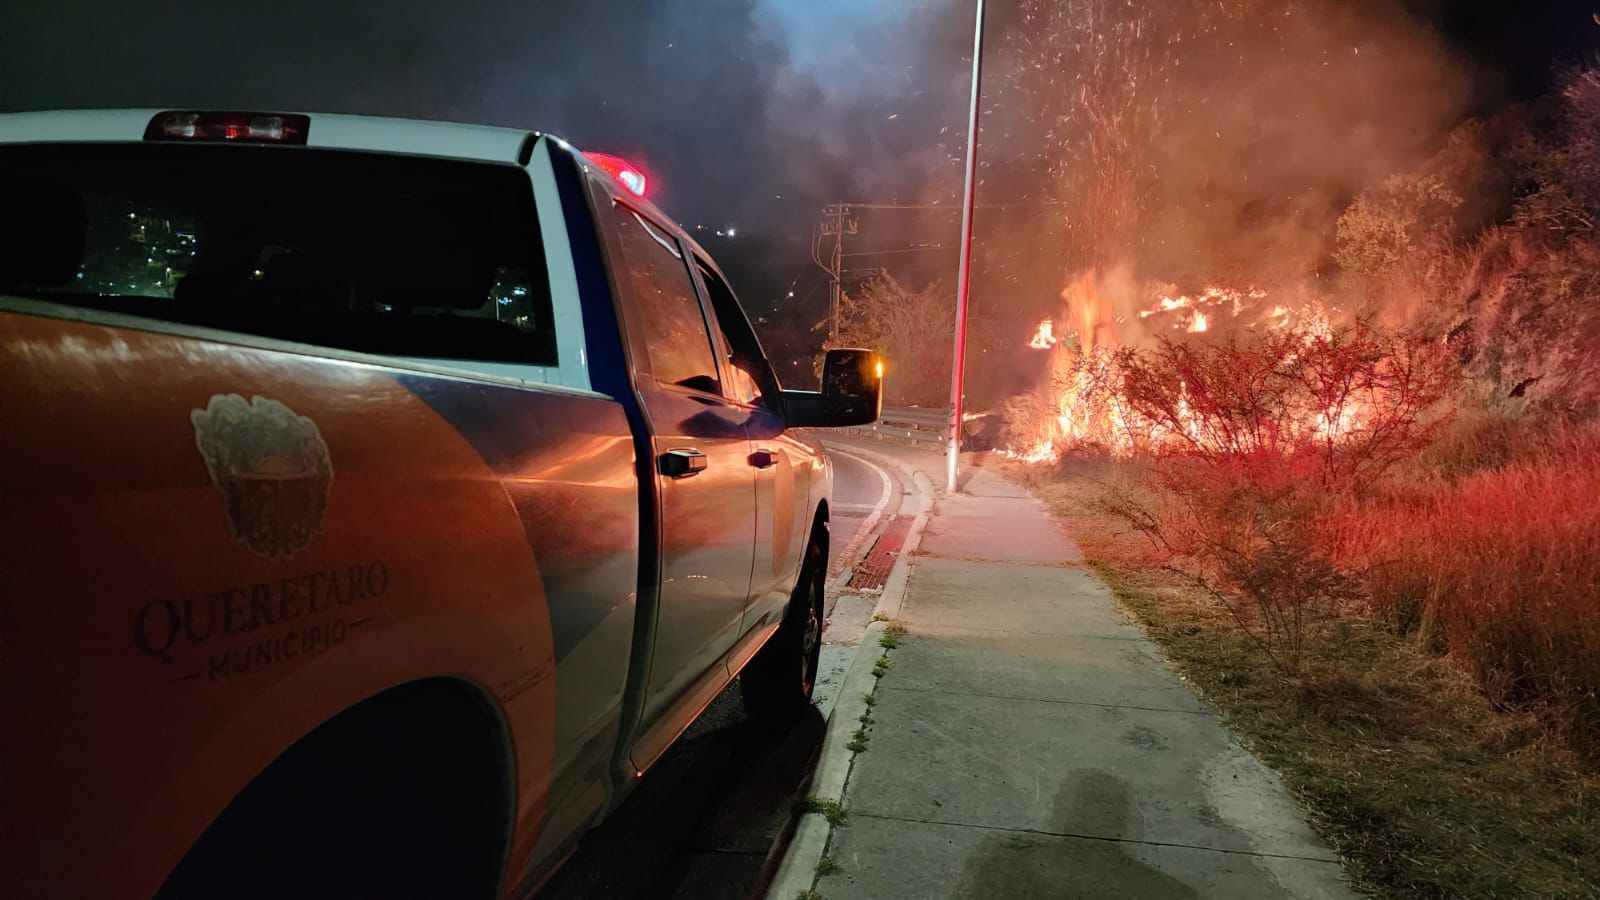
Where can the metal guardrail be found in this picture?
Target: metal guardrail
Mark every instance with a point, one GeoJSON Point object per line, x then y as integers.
{"type": "Point", "coordinates": [928, 428]}
{"type": "Point", "coordinates": [886, 432]}
{"type": "Point", "coordinates": [908, 424]}
{"type": "Point", "coordinates": [934, 418]}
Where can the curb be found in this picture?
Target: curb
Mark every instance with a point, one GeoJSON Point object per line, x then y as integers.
{"type": "Point", "coordinates": [894, 589]}
{"type": "Point", "coordinates": [797, 871]}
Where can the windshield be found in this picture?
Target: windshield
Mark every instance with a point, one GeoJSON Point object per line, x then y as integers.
{"type": "Point", "coordinates": [370, 252]}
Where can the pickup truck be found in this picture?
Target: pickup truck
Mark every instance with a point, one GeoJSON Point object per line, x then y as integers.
{"type": "Point", "coordinates": [380, 500]}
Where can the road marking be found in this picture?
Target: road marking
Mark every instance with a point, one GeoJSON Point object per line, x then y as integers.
{"type": "Point", "coordinates": [871, 522]}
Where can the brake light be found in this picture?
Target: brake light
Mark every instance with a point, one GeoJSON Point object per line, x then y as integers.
{"type": "Point", "coordinates": [234, 127]}
{"type": "Point", "coordinates": [626, 174]}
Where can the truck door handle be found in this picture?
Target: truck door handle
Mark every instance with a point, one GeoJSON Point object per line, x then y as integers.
{"type": "Point", "coordinates": [682, 463]}
{"type": "Point", "coordinates": [764, 459]}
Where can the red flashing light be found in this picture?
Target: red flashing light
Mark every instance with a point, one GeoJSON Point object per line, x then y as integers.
{"type": "Point", "coordinates": [228, 127]}
{"type": "Point", "coordinates": [626, 173]}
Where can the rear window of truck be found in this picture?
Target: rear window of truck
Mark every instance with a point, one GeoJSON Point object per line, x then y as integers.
{"type": "Point", "coordinates": [388, 254]}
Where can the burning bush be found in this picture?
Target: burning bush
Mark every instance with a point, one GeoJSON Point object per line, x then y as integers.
{"type": "Point", "coordinates": [1302, 475]}
{"type": "Point", "coordinates": [1082, 409]}
{"type": "Point", "coordinates": [1341, 405]}
{"type": "Point", "coordinates": [1257, 442]}
{"type": "Point", "coordinates": [1280, 407]}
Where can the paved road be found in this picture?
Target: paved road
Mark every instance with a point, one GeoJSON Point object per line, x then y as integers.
{"type": "Point", "coordinates": [701, 823]}
{"type": "Point", "coordinates": [857, 488]}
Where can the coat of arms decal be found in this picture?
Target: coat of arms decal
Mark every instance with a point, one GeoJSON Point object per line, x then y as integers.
{"type": "Point", "coordinates": [272, 468]}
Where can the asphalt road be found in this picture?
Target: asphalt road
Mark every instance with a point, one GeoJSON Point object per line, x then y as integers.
{"type": "Point", "coordinates": [703, 820]}
{"type": "Point", "coordinates": [857, 489]}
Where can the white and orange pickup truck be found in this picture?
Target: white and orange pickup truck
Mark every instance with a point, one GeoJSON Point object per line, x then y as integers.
{"type": "Point", "coordinates": [378, 501]}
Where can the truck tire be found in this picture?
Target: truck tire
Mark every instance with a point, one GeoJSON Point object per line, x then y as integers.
{"type": "Point", "coordinates": [400, 798]}
{"type": "Point", "coordinates": [777, 684]}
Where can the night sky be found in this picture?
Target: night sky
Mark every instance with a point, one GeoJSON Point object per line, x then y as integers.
{"type": "Point", "coordinates": [1517, 48]}
{"type": "Point", "coordinates": [750, 113]}
{"type": "Point", "coordinates": [742, 107]}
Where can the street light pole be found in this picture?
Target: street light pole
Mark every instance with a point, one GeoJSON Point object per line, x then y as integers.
{"type": "Point", "coordinates": [964, 277]}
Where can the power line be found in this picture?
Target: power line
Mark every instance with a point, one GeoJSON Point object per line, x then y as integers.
{"type": "Point", "coordinates": [838, 220]}
{"type": "Point", "coordinates": [891, 252]}
{"type": "Point", "coordinates": [955, 209]}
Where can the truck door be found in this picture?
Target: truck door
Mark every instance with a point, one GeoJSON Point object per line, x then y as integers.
{"type": "Point", "coordinates": [780, 460]}
{"type": "Point", "coordinates": [702, 465]}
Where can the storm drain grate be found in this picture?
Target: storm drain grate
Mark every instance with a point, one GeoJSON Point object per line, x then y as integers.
{"type": "Point", "coordinates": [873, 569]}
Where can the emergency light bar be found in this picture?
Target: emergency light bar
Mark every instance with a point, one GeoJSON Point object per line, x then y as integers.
{"type": "Point", "coordinates": [626, 174]}
{"type": "Point", "coordinates": [228, 127]}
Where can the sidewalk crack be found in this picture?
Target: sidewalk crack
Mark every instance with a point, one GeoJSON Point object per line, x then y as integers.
{"type": "Point", "coordinates": [1094, 837]}
{"type": "Point", "coordinates": [1187, 712]}
{"type": "Point", "coordinates": [937, 630]}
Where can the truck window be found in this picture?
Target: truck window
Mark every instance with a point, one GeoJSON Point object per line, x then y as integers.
{"type": "Point", "coordinates": [676, 335]}
{"type": "Point", "coordinates": [749, 375]}
{"type": "Point", "coordinates": [403, 256]}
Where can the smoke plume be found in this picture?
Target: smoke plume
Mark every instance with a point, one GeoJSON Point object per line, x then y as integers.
{"type": "Point", "coordinates": [1193, 144]}
{"type": "Point", "coordinates": [750, 112]}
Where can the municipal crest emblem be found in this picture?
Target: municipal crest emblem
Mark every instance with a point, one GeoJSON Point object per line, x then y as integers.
{"type": "Point", "coordinates": [272, 468]}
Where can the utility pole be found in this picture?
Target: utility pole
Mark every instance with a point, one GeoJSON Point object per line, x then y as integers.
{"type": "Point", "coordinates": [838, 221]}
{"type": "Point", "coordinates": [964, 277]}
{"type": "Point", "coordinates": [836, 264]}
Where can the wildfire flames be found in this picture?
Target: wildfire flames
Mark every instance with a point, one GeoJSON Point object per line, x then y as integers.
{"type": "Point", "coordinates": [1045, 337]}
{"type": "Point", "coordinates": [1201, 308]}
{"type": "Point", "coordinates": [1086, 405]}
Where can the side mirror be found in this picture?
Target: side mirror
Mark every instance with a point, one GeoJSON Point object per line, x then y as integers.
{"type": "Point", "coordinates": [852, 393]}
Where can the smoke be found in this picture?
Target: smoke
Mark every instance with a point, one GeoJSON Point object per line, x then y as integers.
{"type": "Point", "coordinates": [1289, 120]}
{"type": "Point", "coordinates": [1197, 143]}
{"type": "Point", "coordinates": [749, 112]}
{"type": "Point", "coordinates": [1185, 142]}
{"type": "Point", "coordinates": [879, 82]}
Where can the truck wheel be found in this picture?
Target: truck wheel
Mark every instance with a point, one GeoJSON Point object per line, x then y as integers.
{"type": "Point", "coordinates": [401, 797]}
{"type": "Point", "coordinates": [777, 684]}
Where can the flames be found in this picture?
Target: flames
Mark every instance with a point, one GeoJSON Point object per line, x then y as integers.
{"type": "Point", "coordinates": [1194, 313]}
{"type": "Point", "coordinates": [1045, 337]}
{"type": "Point", "coordinates": [1105, 316]}
{"type": "Point", "coordinates": [1084, 407]}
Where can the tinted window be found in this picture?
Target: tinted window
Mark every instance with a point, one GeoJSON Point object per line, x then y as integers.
{"type": "Point", "coordinates": [747, 364]}
{"type": "Point", "coordinates": [675, 327]}
{"type": "Point", "coordinates": [376, 253]}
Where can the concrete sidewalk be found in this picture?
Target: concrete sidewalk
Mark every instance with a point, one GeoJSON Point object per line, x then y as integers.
{"type": "Point", "coordinates": [1029, 742]}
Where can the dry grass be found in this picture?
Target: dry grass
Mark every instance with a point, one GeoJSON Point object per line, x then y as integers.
{"type": "Point", "coordinates": [1501, 570]}
{"type": "Point", "coordinates": [1424, 785]}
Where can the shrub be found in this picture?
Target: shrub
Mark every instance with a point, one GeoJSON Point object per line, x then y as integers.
{"type": "Point", "coordinates": [1384, 227]}
{"type": "Point", "coordinates": [1257, 441]}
